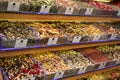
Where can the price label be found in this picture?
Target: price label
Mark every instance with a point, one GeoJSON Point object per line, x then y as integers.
{"type": "Point", "coordinates": [69, 10]}
{"type": "Point", "coordinates": [82, 70]}
{"type": "Point", "coordinates": [113, 36]}
{"type": "Point", "coordinates": [76, 39]}
{"type": "Point", "coordinates": [96, 38]}
{"type": "Point", "coordinates": [118, 14]}
{"type": "Point", "coordinates": [89, 11]}
{"type": "Point", "coordinates": [13, 6]}
{"type": "Point", "coordinates": [117, 62]}
{"type": "Point", "coordinates": [70, 63]}
{"type": "Point", "coordinates": [45, 9]}
{"type": "Point", "coordinates": [21, 43]}
{"type": "Point", "coordinates": [52, 41]}
{"type": "Point", "coordinates": [102, 65]}
{"type": "Point", "coordinates": [59, 75]}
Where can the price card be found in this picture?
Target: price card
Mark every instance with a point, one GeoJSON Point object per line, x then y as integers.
{"type": "Point", "coordinates": [76, 39]}
{"type": "Point", "coordinates": [113, 36]}
{"type": "Point", "coordinates": [102, 65]}
{"type": "Point", "coordinates": [69, 10]}
{"type": "Point", "coordinates": [13, 6]}
{"type": "Point", "coordinates": [118, 14]}
{"type": "Point", "coordinates": [96, 38]}
{"type": "Point", "coordinates": [117, 62]}
{"type": "Point", "coordinates": [21, 43]}
{"type": "Point", "coordinates": [70, 63]}
{"type": "Point", "coordinates": [82, 70]}
{"type": "Point", "coordinates": [45, 9]}
{"type": "Point", "coordinates": [89, 11]}
{"type": "Point", "coordinates": [52, 40]}
{"type": "Point", "coordinates": [59, 75]}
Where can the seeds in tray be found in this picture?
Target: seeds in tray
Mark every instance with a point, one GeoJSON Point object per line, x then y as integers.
{"type": "Point", "coordinates": [112, 51]}
{"type": "Point", "coordinates": [74, 58]}
{"type": "Point", "coordinates": [66, 3]}
{"type": "Point", "coordinates": [15, 30]}
{"type": "Point", "coordinates": [46, 29]}
{"type": "Point", "coordinates": [50, 62]}
{"type": "Point", "coordinates": [20, 67]}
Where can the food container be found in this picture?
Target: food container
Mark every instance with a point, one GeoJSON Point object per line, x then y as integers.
{"type": "Point", "coordinates": [51, 41]}
{"type": "Point", "coordinates": [77, 39]}
{"type": "Point", "coordinates": [3, 5]}
{"type": "Point", "coordinates": [74, 59]}
{"type": "Point", "coordinates": [67, 10]}
{"type": "Point", "coordinates": [21, 67]}
{"type": "Point", "coordinates": [48, 32]}
{"type": "Point", "coordinates": [53, 66]}
{"type": "Point", "coordinates": [42, 6]}
{"type": "Point", "coordinates": [17, 35]}
{"type": "Point", "coordinates": [24, 7]}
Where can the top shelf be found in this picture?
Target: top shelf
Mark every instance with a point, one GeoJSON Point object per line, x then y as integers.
{"type": "Point", "coordinates": [31, 17]}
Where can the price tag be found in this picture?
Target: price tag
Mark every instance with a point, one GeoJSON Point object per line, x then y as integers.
{"type": "Point", "coordinates": [69, 10]}
{"type": "Point", "coordinates": [70, 63]}
{"type": "Point", "coordinates": [96, 38]}
{"type": "Point", "coordinates": [13, 6]}
{"type": "Point", "coordinates": [113, 36]}
{"type": "Point", "coordinates": [59, 75]}
{"type": "Point", "coordinates": [52, 41]}
{"type": "Point", "coordinates": [76, 39]}
{"type": "Point", "coordinates": [102, 65]}
{"type": "Point", "coordinates": [89, 11]}
{"type": "Point", "coordinates": [118, 13]}
{"type": "Point", "coordinates": [45, 9]}
{"type": "Point", "coordinates": [82, 70]}
{"type": "Point", "coordinates": [117, 62]}
{"type": "Point", "coordinates": [21, 43]}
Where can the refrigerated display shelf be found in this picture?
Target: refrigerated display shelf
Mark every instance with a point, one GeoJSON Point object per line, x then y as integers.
{"type": "Point", "coordinates": [7, 53]}
{"type": "Point", "coordinates": [77, 77]}
{"type": "Point", "coordinates": [31, 17]}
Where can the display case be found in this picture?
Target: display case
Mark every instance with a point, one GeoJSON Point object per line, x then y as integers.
{"type": "Point", "coordinates": [58, 39]}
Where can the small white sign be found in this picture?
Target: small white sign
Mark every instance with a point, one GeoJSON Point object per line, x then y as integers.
{"type": "Point", "coordinates": [76, 39]}
{"type": "Point", "coordinates": [89, 11]}
{"type": "Point", "coordinates": [13, 6]}
{"type": "Point", "coordinates": [102, 65]}
{"type": "Point", "coordinates": [69, 10]}
{"type": "Point", "coordinates": [82, 70]}
{"type": "Point", "coordinates": [21, 43]}
{"type": "Point", "coordinates": [117, 62]}
{"type": "Point", "coordinates": [118, 14]}
{"type": "Point", "coordinates": [113, 36]}
{"type": "Point", "coordinates": [59, 75]}
{"type": "Point", "coordinates": [96, 38]}
{"type": "Point", "coordinates": [70, 63]}
{"type": "Point", "coordinates": [52, 40]}
{"type": "Point", "coordinates": [45, 9]}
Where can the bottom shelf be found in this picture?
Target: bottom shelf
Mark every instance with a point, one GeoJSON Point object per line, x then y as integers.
{"type": "Point", "coordinates": [77, 77]}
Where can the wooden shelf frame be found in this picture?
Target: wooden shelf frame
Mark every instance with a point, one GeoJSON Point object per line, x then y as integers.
{"type": "Point", "coordinates": [29, 17]}
{"type": "Point", "coordinates": [36, 17]}
{"type": "Point", "coordinates": [54, 48]}
{"type": "Point", "coordinates": [77, 77]}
